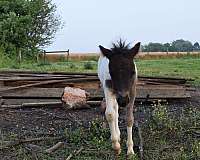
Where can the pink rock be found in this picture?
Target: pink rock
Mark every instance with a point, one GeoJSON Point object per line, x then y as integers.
{"type": "Point", "coordinates": [74, 97]}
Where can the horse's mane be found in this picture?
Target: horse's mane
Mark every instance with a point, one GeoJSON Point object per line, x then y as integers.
{"type": "Point", "coordinates": [120, 47]}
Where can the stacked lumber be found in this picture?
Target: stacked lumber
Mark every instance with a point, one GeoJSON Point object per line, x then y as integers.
{"type": "Point", "coordinates": [18, 88]}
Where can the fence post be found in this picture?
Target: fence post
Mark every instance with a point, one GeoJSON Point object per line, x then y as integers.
{"type": "Point", "coordinates": [37, 57]}
{"type": "Point", "coordinates": [44, 56]}
{"type": "Point", "coordinates": [67, 55]}
{"type": "Point", "coordinates": [19, 56]}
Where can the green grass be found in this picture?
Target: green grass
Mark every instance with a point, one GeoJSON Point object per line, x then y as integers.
{"type": "Point", "coordinates": [171, 137]}
{"type": "Point", "coordinates": [185, 67]}
{"type": "Point", "coordinates": [84, 66]}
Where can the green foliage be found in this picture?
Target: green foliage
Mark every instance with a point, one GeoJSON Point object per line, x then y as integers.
{"type": "Point", "coordinates": [196, 46]}
{"type": "Point", "coordinates": [153, 47]}
{"type": "Point", "coordinates": [182, 45]}
{"type": "Point", "coordinates": [5, 60]}
{"type": "Point", "coordinates": [72, 66]}
{"type": "Point", "coordinates": [96, 139]}
{"type": "Point", "coordinates": [27, 25]}
{"type": "Point", "coordinates": [99, 134]}
{"type": "Point", "coordinates": [88, 65]}
{"type": "Point", "coordinates": [170, 134]}
{"type": "Point", "coordinates": [96, 133]}
{"type": "Point", "coordinates": [176, 46]}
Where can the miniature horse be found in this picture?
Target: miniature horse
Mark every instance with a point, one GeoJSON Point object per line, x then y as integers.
{"type": "Point", "coordinates": [118, 75]}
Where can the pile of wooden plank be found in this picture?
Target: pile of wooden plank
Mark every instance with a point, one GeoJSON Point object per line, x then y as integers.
{"type": "Point", "coordinates": [26, 88]}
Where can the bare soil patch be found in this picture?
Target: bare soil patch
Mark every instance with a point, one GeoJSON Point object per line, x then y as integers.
{"type": "Point", "coordinates": [44, 122]}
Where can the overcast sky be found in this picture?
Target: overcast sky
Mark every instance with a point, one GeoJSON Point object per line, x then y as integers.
{"type": "Point", "coordinates": [89, 23]}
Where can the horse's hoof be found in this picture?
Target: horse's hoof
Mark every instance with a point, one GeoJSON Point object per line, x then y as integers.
{"type": "Point", "coordinates": [130, 152]}
{"type": "Point", "coordinates": [116, 145]}
{"type": "Point", "coordinates": [117, 152]}
{"type": "Point", "coordinates": [117, 148]}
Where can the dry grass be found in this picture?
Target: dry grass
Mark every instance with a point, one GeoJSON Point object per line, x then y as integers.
{"type": "Point", "coordinates": [94, 56]}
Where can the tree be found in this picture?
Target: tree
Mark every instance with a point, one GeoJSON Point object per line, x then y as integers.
{"type": "Point", "coordinates": [153, 47]}
{"type": "Point", "coordinates": [196, 46]}
{"type": "Point", "coordinates": [27, 25]}
{"type": "Point", "coordinates": [167, 47]}
{"type": "Point", "coordinates": [176, 46]}
{"type": "Point", "coordinates": [182, 45]}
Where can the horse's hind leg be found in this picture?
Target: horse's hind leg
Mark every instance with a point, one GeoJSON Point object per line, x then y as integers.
{"type": "Point", "coordinates": [130, 119]}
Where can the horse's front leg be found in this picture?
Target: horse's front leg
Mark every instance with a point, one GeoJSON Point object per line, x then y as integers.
{"type": "Point", "coordinates": [130, 120]}
{"type": "Point", "coordinates": [111, 118]}
{"type": "Point", "coordinates": [117, 120]}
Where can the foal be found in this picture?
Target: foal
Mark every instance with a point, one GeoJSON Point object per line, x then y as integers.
{"type": "Point", "coordinates": [118, 75]}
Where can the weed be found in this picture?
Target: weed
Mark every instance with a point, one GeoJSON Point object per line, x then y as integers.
{"type": "Point", "coordinates": [62, 58]}
{"type": "Point", "coordinates": [88, 65]}
{"type": "Point", "coordinates": [170, 134]}
{"type": "Point", "coordinates": [72, 66]}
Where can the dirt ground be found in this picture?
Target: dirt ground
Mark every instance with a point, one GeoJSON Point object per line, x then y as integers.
{"type": "Point", "coordinates": [43, 122]}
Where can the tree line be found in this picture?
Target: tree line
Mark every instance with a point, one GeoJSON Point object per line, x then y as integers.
{"type": "Point", "coordinates": [27, 25]}
{"type": "Point", "coordinates": [179, 45]}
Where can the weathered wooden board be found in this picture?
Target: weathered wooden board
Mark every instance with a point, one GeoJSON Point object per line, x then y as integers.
{"type": "Point", "coordinates": [1, 84]}
{"type": "Point", "coordinates": [48, 82]}
{"type": "Point", "coordinates": [162, 92]}
{"type": "Point", "coordinates": [86, 84]}
{"type": "Point", "coordinates": [51, 94]}
{"type": "Point", "coordinates": [32, 87]}
{"type": "Point", "coordinates": [25, 100]}
{"type": "Point", "coordinates": [35, 92]}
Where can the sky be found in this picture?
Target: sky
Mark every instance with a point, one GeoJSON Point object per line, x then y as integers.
{"type": "Point", "coordinates": [90, 23]}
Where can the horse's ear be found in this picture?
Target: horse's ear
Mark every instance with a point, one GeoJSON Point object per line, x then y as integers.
{"type": "Point", "coordinates": [106, 52]}
{"type": "Point", "coordinates": [135, 49]}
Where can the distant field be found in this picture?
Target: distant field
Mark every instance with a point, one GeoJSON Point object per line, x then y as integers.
{"type": "Point", "coordinates": [94, 56]}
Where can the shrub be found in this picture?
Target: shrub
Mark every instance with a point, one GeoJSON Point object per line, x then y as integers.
{"type": "Point", "coordinates": [88, 65]}
{"type": "Point", "coordinates": [72, 66]}
{"type": "Point", "coordinates": [4, 59]}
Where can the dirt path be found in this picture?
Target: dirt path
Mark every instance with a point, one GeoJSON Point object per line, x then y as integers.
{"type": "Point", "coordinates": [53, 122]}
